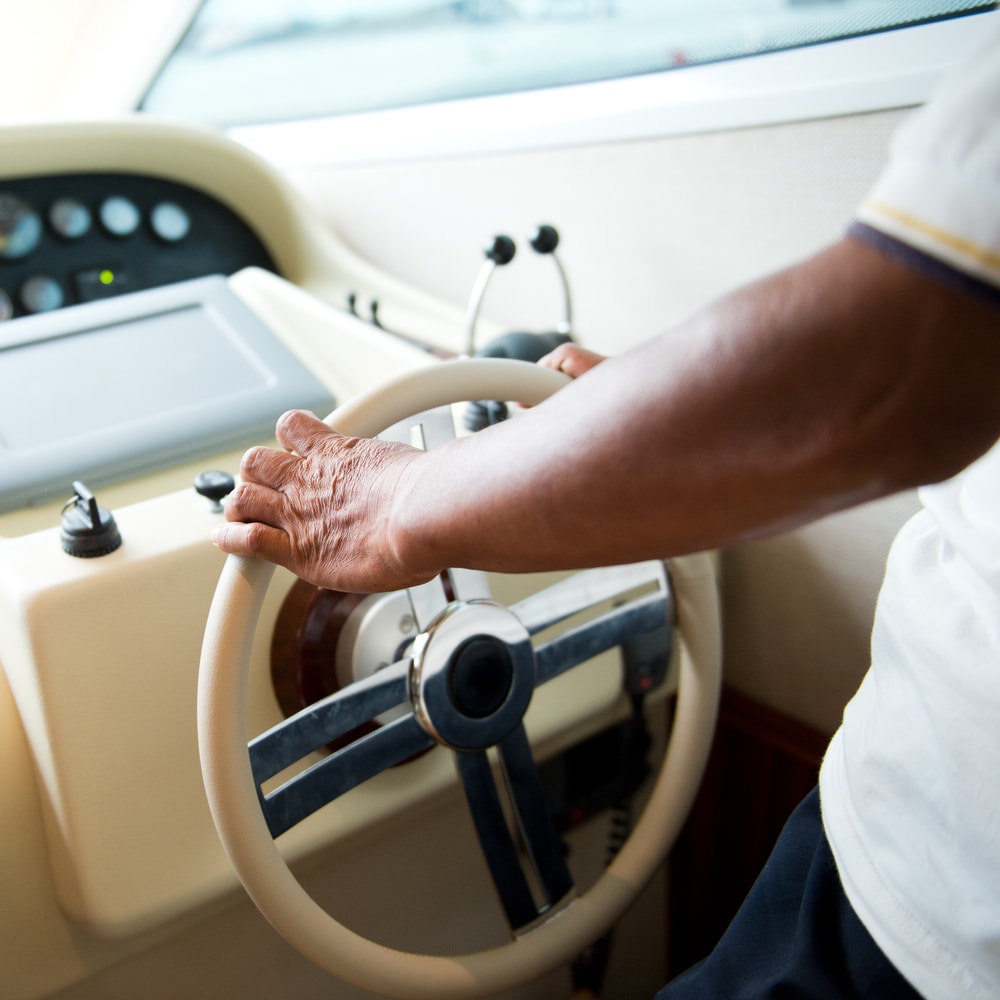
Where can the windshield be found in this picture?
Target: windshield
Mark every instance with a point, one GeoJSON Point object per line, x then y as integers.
{"type": "Point", "coordinates": [253, 61]}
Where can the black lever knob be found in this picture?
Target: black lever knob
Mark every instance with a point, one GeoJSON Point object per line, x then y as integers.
{"type": "Point", "coordinates": [544, 239]}
{"type": "Point", "coordinates": [501, 250]}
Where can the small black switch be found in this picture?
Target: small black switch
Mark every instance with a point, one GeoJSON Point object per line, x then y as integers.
{"type": "Point", "coordinates": [214, 486]}
{"type": "Point", "coordinates": [646, 659]}
{"type": "Point", "coordinates": [87, 529]}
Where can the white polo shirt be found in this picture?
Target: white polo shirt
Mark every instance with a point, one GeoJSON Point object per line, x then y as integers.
{"type": "Point", "coordinates": [910, 787]}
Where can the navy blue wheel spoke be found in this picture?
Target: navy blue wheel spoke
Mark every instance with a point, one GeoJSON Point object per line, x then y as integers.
{"type": "Point", "coordinates": [645, 614]}
{"type": "Point", "coordinates": [536, 827]}
{"type": "Point", "coordinates": [326, 720]}
{"type": "Point", "coordinates": [320, 724]}
{"type": "Point", "coordinates": [585, 590]}
{"type": "Point", "coordinates": [495, 839]}
{"type": "Point", "coordinates": [508, 864]}
{"type": "Point", "coordinates": [331, 777]}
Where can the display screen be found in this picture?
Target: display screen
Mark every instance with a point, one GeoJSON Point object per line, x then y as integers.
{"type": "Point", "coordinates": [129, 372]}
{"type": "Point", "coordinates": [110, 389]}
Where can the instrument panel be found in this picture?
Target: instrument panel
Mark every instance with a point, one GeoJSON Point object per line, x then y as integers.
{"type": "Point", "coordinates": [99, 649]}
{"type": "Point", "coordinates": [74, 238]}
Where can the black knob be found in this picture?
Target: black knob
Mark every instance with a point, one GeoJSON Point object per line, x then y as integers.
{"type": "Point", "coordinates": [501, 251]}
{"type": "Point", "coordinates": [544, 239]}
{"type": "Point", "coordinates": [87, 530]}
{"type": "Point", "coordinates": [480, 677]}
{"type": "Point", "coordinates": [483, 413]}
{"type": "Point", "coordinates": [214, 486]}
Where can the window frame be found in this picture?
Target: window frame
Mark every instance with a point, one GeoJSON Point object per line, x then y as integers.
{"type": "Point", "coordinates": [890, 69]}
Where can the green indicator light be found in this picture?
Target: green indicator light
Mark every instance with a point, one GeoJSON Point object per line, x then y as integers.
{"type": "Point", "coordinates": [106, 277]}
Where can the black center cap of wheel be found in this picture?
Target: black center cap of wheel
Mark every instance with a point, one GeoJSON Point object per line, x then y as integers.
{"type": "Point", "coordinates": [480, 676]}
{"type": "Point", "coordinates": [472, 675]}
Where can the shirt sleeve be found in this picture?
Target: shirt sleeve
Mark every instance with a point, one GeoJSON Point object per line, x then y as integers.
{"type": "Point", "coordinates": [939, 195]}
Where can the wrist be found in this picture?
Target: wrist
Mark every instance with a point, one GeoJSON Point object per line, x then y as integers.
{"type": "Point", "coordinates": [409, 530]}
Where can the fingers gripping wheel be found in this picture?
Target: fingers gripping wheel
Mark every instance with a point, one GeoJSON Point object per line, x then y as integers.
{"type": "Point", "coordinates": [461, 640]}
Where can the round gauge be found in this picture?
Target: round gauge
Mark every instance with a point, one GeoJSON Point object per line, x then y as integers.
{"type": "Point", "coordinates": [119, 216]}
{"type": "Point", "coordinates": [6, 307]}
{"type": "Point", "coordinates": [20, 227]}
{"type": "Point", "coordinates": [41, 294]}
{"type": "Point", "coordinates": [69, 218]}
{"type": "Point", "coordinates": [170, 222]}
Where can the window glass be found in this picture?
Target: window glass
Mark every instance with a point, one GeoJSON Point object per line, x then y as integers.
{"type": "Point", "coordinates": [255, 61]}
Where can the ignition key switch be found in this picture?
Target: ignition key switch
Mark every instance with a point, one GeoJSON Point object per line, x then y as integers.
{"type": "Point", "coordinates": [87, 529]}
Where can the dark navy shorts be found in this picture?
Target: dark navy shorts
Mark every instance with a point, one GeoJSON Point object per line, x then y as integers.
{"type": "Point", "coordinates": [796, 937]}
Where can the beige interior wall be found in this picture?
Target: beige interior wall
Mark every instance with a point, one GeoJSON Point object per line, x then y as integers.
{"type": "Point", "coordinates": [650, 231]}
{"type": "Point", "coordinates": [798, 610]}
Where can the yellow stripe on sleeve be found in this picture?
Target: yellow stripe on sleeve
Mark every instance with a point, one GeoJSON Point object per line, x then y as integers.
{"type": "Point", "coordinates": [973, 251]}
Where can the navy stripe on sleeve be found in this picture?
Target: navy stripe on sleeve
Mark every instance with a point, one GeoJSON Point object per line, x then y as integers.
{"type": "Point", "coordinates": [933, 267]}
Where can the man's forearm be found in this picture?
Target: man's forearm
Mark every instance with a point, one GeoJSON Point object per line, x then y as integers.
{"type": "Point", "coordinates": [839, 381]}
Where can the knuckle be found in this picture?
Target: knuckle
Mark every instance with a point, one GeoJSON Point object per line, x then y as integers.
{"type": "Point", "coordinates": [254, 536]}
{"type": "Point", "coordinates": [235, 502]}
{"type": "Point", "coordinates": [286, 421]}
{"type": "Point", "coordinates": [242, 497]}
{"type": "Point", "coordinates": [251, 460]}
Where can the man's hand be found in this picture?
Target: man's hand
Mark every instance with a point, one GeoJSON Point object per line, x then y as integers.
{"type": "Point", "coordinates": [571, 359]}
{"type": "Point", "coordinates": [322, 508]}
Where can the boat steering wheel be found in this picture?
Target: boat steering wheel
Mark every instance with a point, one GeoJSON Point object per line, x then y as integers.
{"type": "Point", "coordinates": [465, 683]}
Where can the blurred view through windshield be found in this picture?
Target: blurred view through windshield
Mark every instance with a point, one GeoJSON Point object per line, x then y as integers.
{"type": "Point", "coordinates": [248, 61]}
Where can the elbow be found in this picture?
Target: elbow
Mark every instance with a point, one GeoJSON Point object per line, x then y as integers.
{"type": "Point", "coordinates": [928, 445]}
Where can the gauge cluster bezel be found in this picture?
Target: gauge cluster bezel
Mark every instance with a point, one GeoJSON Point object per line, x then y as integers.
{"type": "Point", "coordinates": [79, 237]}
